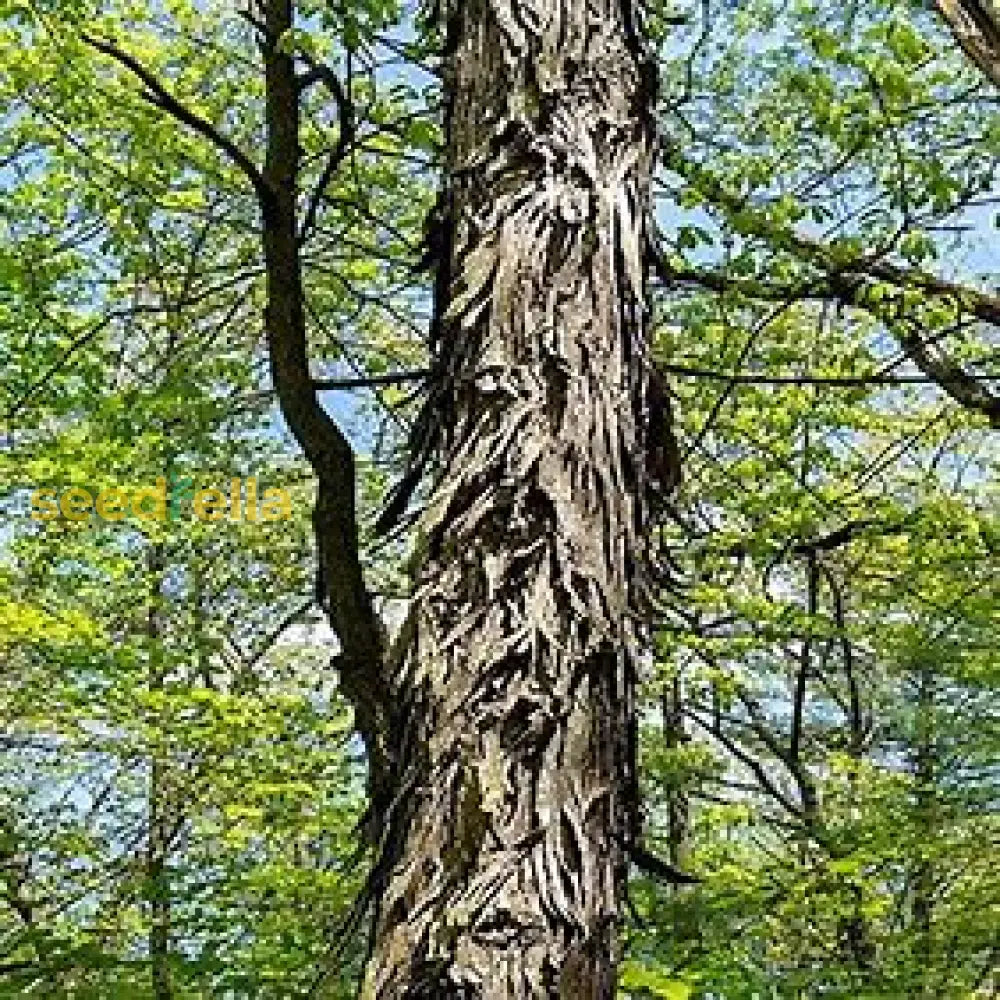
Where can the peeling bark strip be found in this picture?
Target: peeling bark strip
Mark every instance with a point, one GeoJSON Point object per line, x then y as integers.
{"type": "Point", "coordinates": [506, 850]}
{"type": "Point", "coordinates": [976, 27]}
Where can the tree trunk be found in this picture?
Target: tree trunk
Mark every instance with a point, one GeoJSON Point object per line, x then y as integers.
{"type": "Point", "coordinates": [502, 750]}
{"type": "Point", "coordinates": [506, 851]}
{"type": "Point", "coordinates": [158, 838]}
{"type": "Point", "coordinates": [924, 756]}
{"type": "Point", "coordinates": [976, 27]}
{"type": "Point", "coordinates": [340, 585]}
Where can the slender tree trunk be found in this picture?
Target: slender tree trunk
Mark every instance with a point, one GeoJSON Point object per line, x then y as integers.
{"type": "Point", "coordinates": [340, 585]}
{"type": "Point", "coordinates": [678, 802]}
{"type": "Point", "coordinates": [158, 838]}
{"type": "Point", "coordinates": [507, 849]}
{"type": "Point", "coordinates": [924, 762]}
{"type": "Point", "coordinates": [156, 873]}
{"type": "Point", "coordinates": [859, 946]}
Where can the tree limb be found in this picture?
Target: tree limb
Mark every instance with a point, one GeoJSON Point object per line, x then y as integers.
{"type": "Point", "coordinates": [751, 763]}
{"type": "Point", "coordinates": [847, 279]}
{"type": "Point", "coordinates": [345, 110]}
{"type": "Point", "coordinates": [650, 864]}
{"type": "Point", "coordinates": [842, 381]}
{"type": "Point", "coordinates": [370, 381]}
{"type": "Point", "coordinates": [952, 378]}
{"type": "Point", "coordinates": [159, 96]}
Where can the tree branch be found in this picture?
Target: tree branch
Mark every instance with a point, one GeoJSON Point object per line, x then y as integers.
{"type": "Point", "coordinates": [954, 380]}
{"type": "Point", "coordinates": [848, 279]}
{"type": "Point", "coordinates": [650, 864]}
{"type": "Point", "coordinates": [843, 381]}
{"type": "Point", "coordinates": [842, 272]}
{"type": "Point", "coordinates": [159, 96]}
{"type": "Point", "coordinates": [751, 763]}
{"type": "Point", "coordinates": [370, 381]}
{"type": "Point", "coordinates": [345, 110]}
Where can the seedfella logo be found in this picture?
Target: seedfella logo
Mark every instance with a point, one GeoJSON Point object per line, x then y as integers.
{"type": "Point", "coordinates": [242, 501]}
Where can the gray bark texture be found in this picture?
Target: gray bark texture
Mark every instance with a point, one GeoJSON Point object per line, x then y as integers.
{"type": "Point", "coordinates": [976, 27]}
{"type": "Point", "coordinates": [505, 849]}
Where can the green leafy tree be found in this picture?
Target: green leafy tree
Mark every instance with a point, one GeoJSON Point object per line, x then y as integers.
{"type": "Point", "coordinates": [220, 227]}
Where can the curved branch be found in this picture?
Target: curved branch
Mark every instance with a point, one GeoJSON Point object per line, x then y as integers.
{"type": "Point", "coordinates": [159, 96]}
{"type": "Point", "coordinates": [345, 111]}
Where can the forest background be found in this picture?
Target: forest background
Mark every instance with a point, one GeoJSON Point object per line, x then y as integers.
{"type": "Point", "coordinates": [182, 790]}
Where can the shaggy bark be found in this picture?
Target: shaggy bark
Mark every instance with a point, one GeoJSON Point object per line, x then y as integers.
{"type": "Point", "coordinates": [976, 27]}
{"type": "Point", "coordinates": [506, 852]}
